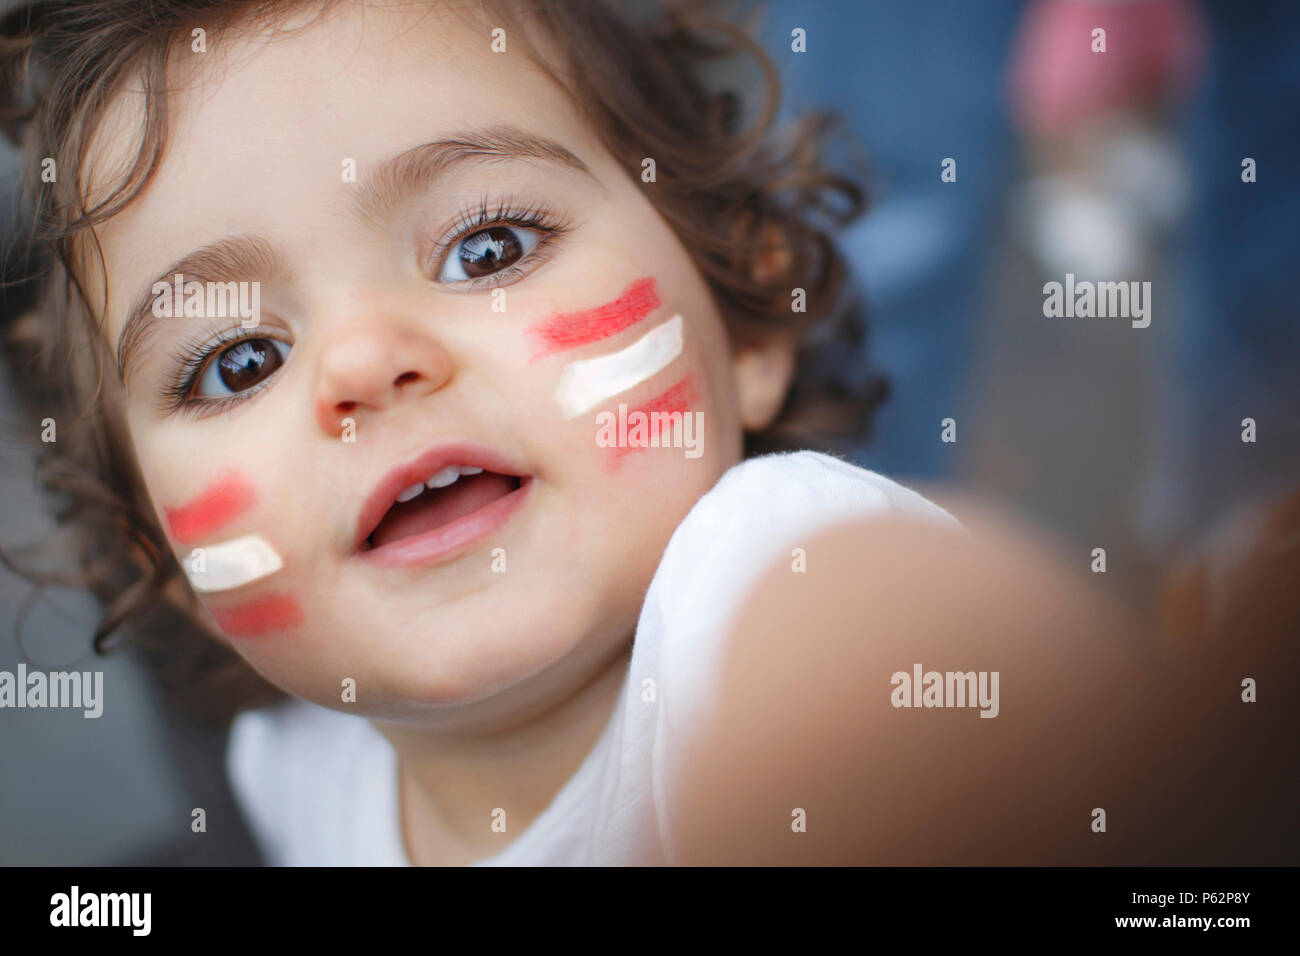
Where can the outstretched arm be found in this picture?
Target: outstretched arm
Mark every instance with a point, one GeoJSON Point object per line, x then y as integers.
{"type": "Point", "coordinates": [1088, 718]}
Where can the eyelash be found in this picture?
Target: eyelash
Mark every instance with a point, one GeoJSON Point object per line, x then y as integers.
{"type": "Point", "coordinates": [472, 219]}
{"type": "Point", "coordinates": [191, 360]}
{"type": "Point", "coordinates": [193, 356]}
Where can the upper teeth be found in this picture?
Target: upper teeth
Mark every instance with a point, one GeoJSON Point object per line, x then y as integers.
{"type": "Point", "coordinates": [448, 476]}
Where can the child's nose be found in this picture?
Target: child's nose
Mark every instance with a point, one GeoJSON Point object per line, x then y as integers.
{"type": "Point", "coordinates": [373, 365]}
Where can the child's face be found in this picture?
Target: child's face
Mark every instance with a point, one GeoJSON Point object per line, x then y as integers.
{"type": "Point", "coordinates": [383, 340]}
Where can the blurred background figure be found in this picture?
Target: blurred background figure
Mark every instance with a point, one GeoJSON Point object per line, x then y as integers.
{"type": "Point", "coordinates": [1236, 353]}
{"type": "Point", "coordinates": [1108, 139]}
{"type": "Point", "coordinates": [914, 83]}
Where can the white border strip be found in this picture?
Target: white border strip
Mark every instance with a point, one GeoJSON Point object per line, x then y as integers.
{"type": "Point", "coordinates": [585, 384]}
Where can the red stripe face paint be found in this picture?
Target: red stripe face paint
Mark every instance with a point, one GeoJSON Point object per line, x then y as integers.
{"type": "Point", "coordinates": [679, 398]}
{"type": "Point", "coordinates": [277, 612]}
{"type": "Point", "coordinates": [571, 329]}
{"type": "Point", "coordinates": [221, 502]}
{"type": "Point", "coordinates": [642, 427]}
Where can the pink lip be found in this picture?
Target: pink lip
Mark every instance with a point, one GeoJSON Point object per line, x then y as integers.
{"type": "Point", "coordinates": [439, 542]}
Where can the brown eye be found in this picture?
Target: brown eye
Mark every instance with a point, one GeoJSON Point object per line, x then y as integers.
{"type": "Point", "coordinates": [241, 366]}
{"type": "Point", "coordinates": [487, 251]}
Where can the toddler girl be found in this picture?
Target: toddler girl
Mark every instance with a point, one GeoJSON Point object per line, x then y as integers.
{"type": "Point", "coordinates": [415, 362]}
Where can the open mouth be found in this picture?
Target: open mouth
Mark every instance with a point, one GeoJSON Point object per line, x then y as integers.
{"type": "Point", "coordinates": [436, 510]}
{"type": "Point", "coordinates": [454, 492]}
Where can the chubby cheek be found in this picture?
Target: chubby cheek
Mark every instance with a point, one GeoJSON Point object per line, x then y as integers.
{"type": "Point", "coordinates": [627, 381]}
{"type": "Point", "coordinates": [631, 387]}
{"type": "Point", "coordinates": [221, 536]}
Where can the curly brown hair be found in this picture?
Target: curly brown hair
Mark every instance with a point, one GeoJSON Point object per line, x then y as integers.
{"type": "Point", "coordinates": [730, 193]}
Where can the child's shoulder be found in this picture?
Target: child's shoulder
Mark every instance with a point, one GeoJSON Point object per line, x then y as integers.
{"type": "Point", "coordinates": [800, 485]}
{"type": "Point", "coordinates": [763, 511]}
{"type": "Point", "coordinates": [771, 503]}
{"type": "Point", "coordinates": [295, 768]}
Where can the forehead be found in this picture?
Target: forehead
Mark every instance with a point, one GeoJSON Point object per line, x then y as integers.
{"type": "Point", "coordinates": [260, 125]}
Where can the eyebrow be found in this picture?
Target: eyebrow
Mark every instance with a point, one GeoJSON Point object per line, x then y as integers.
{"type": "Point", "coordinates": [411, 172]}
{"type": "Point", "coordinates": [393, 182]}
{"type": "Point", "coordinates": [215, 262]}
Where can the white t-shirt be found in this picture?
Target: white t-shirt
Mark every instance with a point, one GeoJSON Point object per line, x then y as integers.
{"type": "Point", "coordinates": [319, 787]}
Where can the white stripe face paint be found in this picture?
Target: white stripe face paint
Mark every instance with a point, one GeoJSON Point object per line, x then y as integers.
{"type": "Point", "coordinates": [232, 564]}
{"type": "Point", "coordinates": [585, 384]}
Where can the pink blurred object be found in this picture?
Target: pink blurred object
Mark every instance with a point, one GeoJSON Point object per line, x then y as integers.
{"type": "Point", "coordinates": [1154, 49]}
